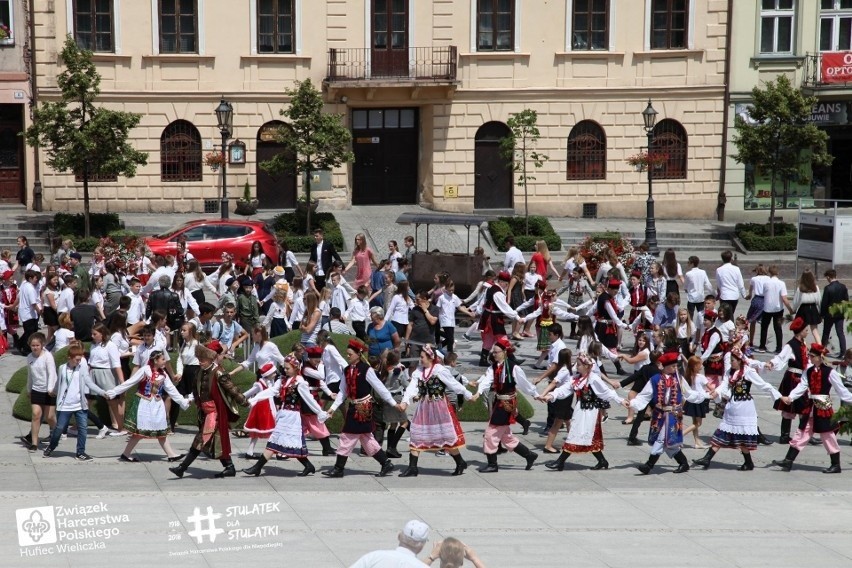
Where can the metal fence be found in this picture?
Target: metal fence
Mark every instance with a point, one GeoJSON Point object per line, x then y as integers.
{"type": "Point", "coordinates": [414, 63]}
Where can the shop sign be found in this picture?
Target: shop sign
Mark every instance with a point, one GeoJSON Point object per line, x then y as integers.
{"type": "Point", "coordinates": [837, 67]}
{"type": "Point", "coordinates": [829, 113]}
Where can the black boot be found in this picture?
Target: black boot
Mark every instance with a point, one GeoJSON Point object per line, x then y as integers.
{"type": "Point", "coordinates": [483, 358]}
{"type": "Point", "coordinates": [525, 453]}
{"type": "Point", "coordinates": [602, 463]}
{"type": "Point", "coordinates": [523, 422]}
{"type": "Point", "coordinates": [748, 464]}
{"type": "Point", "coordinates": [337, 470]}
{"type": "Point", "coordinates": [257, 467]}
{"type": "Point", "coordinates": [559, 463]}
{"type": "Point", "coordinates": [309, 468]}
{"type": "Point", "coordinates": [835, 464]}
{"type": "Point", "coordinates": [682, 463]}
{"type": "Point", "coordinates": [491, 467]}
{"type": "Point", "coordinates": [646, 467]}
{"type": "Point", "coordinates": [229, 471]}
{"type": "Point", "coordinates": [461, 465]}
{"type": "Point", "coordinates": [392, 440]}
{"type": "Point", "coordinates": [187, 461]}
{"type": "Point", "coordinates": [618, 368]}
{"type": "Point", "coordinates": [411, 470]}
{"type": "Point", "coordinates": [632, 438]}
{"type": "Point", "coordinates": [387, 465]}
{"type": "Point", "coordinates": [327, 450]}
{"type": "Point", "coordinates": [785, 431]}
{"type": "Point", "coordinates": [762, 440]}
{"type": "Point", "coordinates": [379, 434]}
{"type": "Point", "coordinates": [501, 449]}
{"type": "Point", "coordinates": [787, 463]}
{"type": "Point", "coordinates": [705, 461]}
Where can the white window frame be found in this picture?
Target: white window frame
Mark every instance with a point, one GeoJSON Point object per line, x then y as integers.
{"type": "Point", "coordinates": [569, 27]}
{"type": "Point", "coordinates": [116, 23]}
{"type": "Point", "coordinates": [835, 14]}
{"type": "Point", "coordinates": [155, 29]}
{"type": "Point", "coordinates": [690, 27]}
{"type": "Point", "coordinates": [297, 28]}
{"type": "Point", "coordinates": [775, 14]}
{"type": "Point", "coordinates": [516, 32]}
{"type": "Point", "coordinates": [11, 23]}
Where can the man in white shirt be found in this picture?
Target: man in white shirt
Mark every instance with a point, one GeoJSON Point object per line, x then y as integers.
{"type": "Point", "coordinates": [697, 286]}
{"type": "Point", "coordinates": [513, 255]}
{"type": "Point", "coordinates": [774, 300]}
{"type": "Point", "coordinates": [136, 311]}
{"type": "Point", "coordinates": [729, 283]}
{"type": "Point", "coordinates": [29, 309]}
{"type": "Point", "coordinates": [412, 539]}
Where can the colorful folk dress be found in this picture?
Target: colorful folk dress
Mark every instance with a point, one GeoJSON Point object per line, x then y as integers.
{"type": "Point", "coordinates": [434, 425]}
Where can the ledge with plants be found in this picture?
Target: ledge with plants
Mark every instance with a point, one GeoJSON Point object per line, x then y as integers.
{"type": "Point", "coordinates": [540, 230]}
{"type": "Point", "coordinates": [752, 237]}
{"type": "Point", "coordinates": [291, 227]}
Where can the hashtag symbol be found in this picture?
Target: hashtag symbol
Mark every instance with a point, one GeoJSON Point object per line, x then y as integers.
{"type": "Point", "coordinates": [198, 520]}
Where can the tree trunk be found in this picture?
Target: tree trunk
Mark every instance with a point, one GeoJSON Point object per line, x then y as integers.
{"type": "Point", "coordinates": [772, 206]}
{"type": "Point", "coordinates": [526, 193]}
{"type": "Point", "coordinates": [86, 227]}
{"type": "Point", "coordinates": [308, 197]}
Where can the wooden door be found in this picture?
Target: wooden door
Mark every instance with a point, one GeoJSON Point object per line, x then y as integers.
{"type": "Point", "coordinates": [492, 171]}
{"type": "Point", "coordinates": [274, 191]}
{"type": "Point", "coordinates": [11, 154]}
{"type": "Point", "coordinates": [389, 49]}
{"type": "Point", "coordinates": [386, 156]}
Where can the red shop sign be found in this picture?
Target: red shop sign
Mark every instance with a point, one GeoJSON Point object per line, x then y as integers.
{"type": "Point", "coordinates": [837, 67]}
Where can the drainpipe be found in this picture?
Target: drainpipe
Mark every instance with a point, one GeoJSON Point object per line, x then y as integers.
{"type": "Point", "coordinates": [723, 198]}
{"type": "Point", "coordinates": [37, 189]}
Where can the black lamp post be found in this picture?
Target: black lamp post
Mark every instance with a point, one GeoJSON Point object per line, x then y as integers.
{"type": "Point", "coordinates": [649, 117]}
{"type": "Point", "coordinates": [225, 122]}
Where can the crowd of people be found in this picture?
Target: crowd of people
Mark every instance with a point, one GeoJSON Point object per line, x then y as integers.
{"type": "Point", "coordinates": [159, 329]}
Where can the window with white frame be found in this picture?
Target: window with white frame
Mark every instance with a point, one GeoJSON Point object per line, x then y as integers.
{"type": "Point", "coordinates": [495, 25]}
{"type": "Point", "coordinates": [777, 25]}
{"type": "Point", "coordinates": [7, 22]}
{"type": "Point", "coordinates": [589, 25]}
{"type": "Point", "coordinates": [835, 25]}
{"type": "Point", "coordinates": [178, 23]}
{"type": "Point", "coordinates": [669, 24]}
{"type": "Point", "coordinates": [93, 25]}
{"type": "Point", "coordinates": [276, 26]}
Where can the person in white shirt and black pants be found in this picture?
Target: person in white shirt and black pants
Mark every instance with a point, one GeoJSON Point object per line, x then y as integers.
{"type": "Point", "coordinates": [729, 282]}
{"type": "Point", "coordinates": [322, 254]}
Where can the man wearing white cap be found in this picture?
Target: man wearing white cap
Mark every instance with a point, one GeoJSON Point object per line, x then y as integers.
{"type": "Point", "coordinates": [412, 538]}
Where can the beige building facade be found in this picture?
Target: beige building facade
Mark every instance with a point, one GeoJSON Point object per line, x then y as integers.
{"type": "Point", "coordinates": [425, 87]}
{"type": "Point", "coordinates": [809, 41]}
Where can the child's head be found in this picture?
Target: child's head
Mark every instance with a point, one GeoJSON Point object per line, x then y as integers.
{"type": "Point", "coordinates": [682, 315]}
{"type": "Point", "coordinates": [228, 312]}
{"type": "Point", "coordinates": [709, 302]}
{"type": "Point", "coordinates": [158, 319]}
{"type": "Point", "coordinates": [75, 354]}
{"type": "Point", "coordinates": [451, 359]}
{"type": "Point", "coordinates": [532, 268]}
{"type": "Point", "coordinates": [310, 268]}
{"type": "Point", "coordinates": [334, 313]}
{"type": "Point", "coordinates": [70, 281]}
{"type": "Point", "coordinates": [389, 278]}
{"type": "Point", "coordinates": [335, 278]}
{"type": "Point", "coordinates": [362, 291]}
{"type": "Point", "coordinates": [36, 343]}
{"type": "Point", "coordinates": [65, 321]}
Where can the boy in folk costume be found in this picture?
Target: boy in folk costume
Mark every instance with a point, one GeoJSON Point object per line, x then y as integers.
{"type": "Point", "coordinates": [314, 374]}
{"type": "Point", "coordinates": [713, 348]}
{"type": "Point", "coordinates": [495, 310]}
{"type": "Point", "coordinates": [818, 381]}
{"type": "Point", "coordinates": [217, 399]}
{"type": "Point", "coordinates": [664, 394]}
{"type": "Point", "coordinates": [357, 386]}
{"type": "Point", "coordinates": [607, 321]}
{"type": "Point", "coordinates": [793, 358]}
{"type": "Point", "coordinates": [505, 377]}
{"type": "Point", "coordinates": [261, 418]}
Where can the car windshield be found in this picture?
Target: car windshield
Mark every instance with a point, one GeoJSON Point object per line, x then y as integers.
{"type": "Point", "coordinates": [170, 232]}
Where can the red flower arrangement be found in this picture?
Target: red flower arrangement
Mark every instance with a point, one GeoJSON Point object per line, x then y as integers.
{"type": "Point", "coordinates": [642, 160]}
{"type": "Point", "coordinates": [121, 252]}
{"type": "Point", "coordinates": [594, 249]}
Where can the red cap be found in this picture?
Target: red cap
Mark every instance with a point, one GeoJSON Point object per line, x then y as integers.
{"type": "Point", "coordinates": [668, 359]}
{"type": "Point", "coordinates": [542, 284]}
{"type": "Point", "coordinates": [215, 346]}
{"type": "Point", "coordinates": [504, 276]}
{"type": "Point", "coordinates": [504, 344]}
{"type": "Point", "coordinates": [314, 352]}
{"type": "Point", "coordinates": [636, 273]}
{"type": "Point", "coordinates": [7, 275]}
{"type": "Point", "coordinates": [267, 370]}
{"type": "Point", "coordinates": [357, 346]}
{"type": "Point", "coordinates": [614, 283]}
{"type": "Point", "coordinates": [798, 325]}
{"type": "Point", "coordinates": [818, 349]}
{"type": "Point", "coordinates": [710, 315]}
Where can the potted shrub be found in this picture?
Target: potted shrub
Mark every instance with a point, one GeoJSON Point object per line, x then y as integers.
{"type": "Point", "coordinates": [303, 205]}
{"type": "Point", "coordinates": [246, 205]}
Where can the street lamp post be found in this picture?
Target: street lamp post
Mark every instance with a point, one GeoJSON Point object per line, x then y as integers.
{"type": "Point", "coordinates": [225, 122]}
{"type": "Point", "coordinates": [649, 117]}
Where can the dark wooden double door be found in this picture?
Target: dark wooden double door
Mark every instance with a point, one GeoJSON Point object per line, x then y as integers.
{"type": "Point", "coordinates": [11, 153]}
{"type": "Point", "coordinates": [385, 143]}
{"type": "Point", "coordinates": [274, 191]}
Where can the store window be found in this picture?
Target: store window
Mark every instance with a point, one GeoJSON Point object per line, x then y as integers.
{"type": "Point", "coordinates": [586, 151]}
{"type": "Point", "coordinates": [777, 25]}
{"type": "Point", "coordinates": [789, 192]}
{"type": "Point", "coordinates": [835, 25]}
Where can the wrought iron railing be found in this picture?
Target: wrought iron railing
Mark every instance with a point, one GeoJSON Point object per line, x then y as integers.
{"type": "Point", "coordinates": [435, 64]}
{"type": "Point", "coordinates": [838, 74]}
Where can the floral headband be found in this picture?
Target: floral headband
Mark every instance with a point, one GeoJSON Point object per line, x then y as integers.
{"type": "Point", "coordinates": [584, 359]}
{"type": "Point", "coordinates": [227, 257]}
{"type": "Point", "coordinates": [293, 360]}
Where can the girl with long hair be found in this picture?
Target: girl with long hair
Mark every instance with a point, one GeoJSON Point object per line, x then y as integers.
{"type": "Point", "coordinates": [806, 302]}
{"type": "Point", "coordinates": [310, 325]}
{"type": "Point", "coordinates": [561, 409]}
{"type": "Point", "coordinates": [196, 282]}
{"type": "Point", "coordinates": [256, 258]}
{"type": "Point", "coordinates": [288, 261]}
{"type": "Point", "coordinates": [363, 260]}
{"type": "Point", "coordinates": [695, 403]}
{"type": "Point", "coordinates": [672, 272]}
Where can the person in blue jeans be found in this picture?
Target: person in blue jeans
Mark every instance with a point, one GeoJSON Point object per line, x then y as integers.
{"type": "Point", "coordinates": [71, 383]}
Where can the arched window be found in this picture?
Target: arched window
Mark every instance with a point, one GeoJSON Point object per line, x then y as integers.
{"type": "Point", "coordinates": [180, 152]}
{"type": "Point", "coordinates": [587, 151]}
{"type": "Point", "coordinates": [670, 139]}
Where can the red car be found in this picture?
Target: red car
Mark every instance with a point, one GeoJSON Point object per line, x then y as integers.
{"type": "Point", "coordinates": [207, 239]}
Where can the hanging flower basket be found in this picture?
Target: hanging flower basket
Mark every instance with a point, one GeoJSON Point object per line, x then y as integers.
{"type": "Point", "coordinates": [5, 32]}
{"type": "Point", "coordinates": [642, 160]}
{"type": "Point", "coordinates": [214, 160]}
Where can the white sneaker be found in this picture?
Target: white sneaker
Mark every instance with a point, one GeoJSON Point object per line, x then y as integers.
{"type": "Point", "coordinates": [64, 437]}
{"type": "Point", "coordinates": [117, 433]}
{"type": "Point", "coordinates": [102, 433]}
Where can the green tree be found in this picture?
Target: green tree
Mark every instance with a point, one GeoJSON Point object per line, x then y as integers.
{"type": "Point", "coordinates": [319, 140]}
{"type": "Point", "coordinates": [778, 138]}
{"type": "Point", "coordinates": [79, 137]}
{"type": "Point", "coordinates": [519, 148]}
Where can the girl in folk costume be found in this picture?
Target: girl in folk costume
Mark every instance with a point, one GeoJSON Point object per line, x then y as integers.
{"type": "Point", "coordinates": [607, 320]}
{"type": "Point", "coordinates": [506, 377]}
{"type": "Point", "coordinates": [495, 310]}
{"type": "Point", "coordinates": [713, 347]}
{"type": "Point", "coordinates": [696, 406]}
{"type": "Point", "coordinates": [793, 358]}
{"type": "Point", "coordinates": [396, 378]}
{"type": "Point", "coordinates": [434, 426]}
{"type": "Point", "coordinates": [360, 381]}
{"type": "Point", "coordinates": [145, 416]}
{"type": "Point", "coordinates": [817, 382]}
{"type": "Point", "coordinates": [738, 428]}
{"type": "Point", "coordinates": [313, 372]}
{"type": "Point", "coordinates": [638, 295]}
{"type": "Point", "coordinates": [542, 304]}
{"type": "Point", "coordinates": [585, 434]}
{"type": "Point", "coordinates": [288, 438]}
{"type": "Point", "coordinates": [644, 322]}
{"type": "Point", "coordinates": [580, 293]}
{"type": "Point", "coordinates": [261, 418]}
{"type": "Point", "coordinates": [663, 392]}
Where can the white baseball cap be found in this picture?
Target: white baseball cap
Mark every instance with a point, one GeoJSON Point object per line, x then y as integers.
{"type": "Point", "coordinates": [416, 530]}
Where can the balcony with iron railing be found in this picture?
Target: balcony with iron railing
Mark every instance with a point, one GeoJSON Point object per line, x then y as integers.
{"type": "Point", "coordinates": [407, 66]}
{"type": "Point", "coordinates": [828, 70]}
